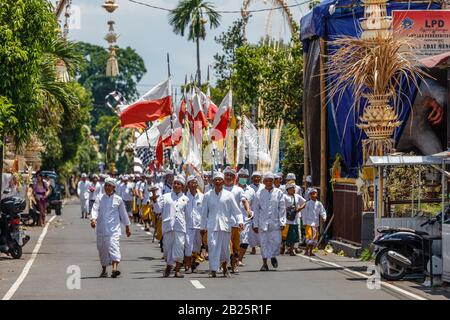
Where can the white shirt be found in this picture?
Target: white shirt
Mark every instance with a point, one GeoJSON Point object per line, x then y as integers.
{"type": "Point", "coordinates": [194, 210]}
{"type": "Point", "coordinates": [312, 212]}
{"type": "Point", "coordinates": [81, 189]}
{"type": "Point", "coordinates": [127, 191]}
{"type": "Point", "coordinates": [91, 195]}
{"type": "Point", "coordinates": [99, 189]}
{"type": "Point", "coordinates": [110, 213]}
{"type": "Point", "coordinates": [270, 210]}
{"type": "Point", "coordinates": [239, 195]}
{"type": "Point", "coordinates": [289, 200]}
{"type": "Point", "coordinates": [220, 211]}
{"type": "Point", "coordinates": [173, 210]}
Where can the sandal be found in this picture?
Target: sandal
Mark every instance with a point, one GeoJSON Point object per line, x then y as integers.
{"type": "Point", "coordinates": [104, 275]}
{"type": "Point", "coordinates": [115, 274]}
{"type": "Point", "coordinates": [264, 268]}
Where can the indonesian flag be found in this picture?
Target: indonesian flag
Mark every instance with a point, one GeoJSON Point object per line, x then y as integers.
{"type": "Point", "coordinates": [155, 104]}
{"type": "Point", "coordinates": [222, 118]}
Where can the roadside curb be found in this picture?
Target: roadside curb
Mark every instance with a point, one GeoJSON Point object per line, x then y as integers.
{"type": "Point", "coordinates": [389, 286]}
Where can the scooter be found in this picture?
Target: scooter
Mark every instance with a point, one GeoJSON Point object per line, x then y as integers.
{"type": "Point", "coordinates": [12, 237]}
{"type": "Point", "coordinates": [402, 251]}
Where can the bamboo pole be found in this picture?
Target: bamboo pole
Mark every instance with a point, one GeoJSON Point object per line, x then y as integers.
{"type": "Point", "coordinates": [323, 126]}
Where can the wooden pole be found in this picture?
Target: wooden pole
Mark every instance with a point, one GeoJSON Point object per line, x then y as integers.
{"type": "Point", "coordinates": [305, 132]}
{"type": "Point", "coordinates": [323, 126]}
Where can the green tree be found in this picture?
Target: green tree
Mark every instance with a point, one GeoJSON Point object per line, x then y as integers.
{"type": "Point", "coordinates": [270, 77]}
{"type": "Point", "coordinates": [230, 40]}
{"type": "Point", "coordinates": [193, 15]}
{"type": "Point", "coordinates": [292, 146]}
{"type": "Point", "coordinates": [27, 32]}
{"type": "Point", "coordinates": [93, 77]}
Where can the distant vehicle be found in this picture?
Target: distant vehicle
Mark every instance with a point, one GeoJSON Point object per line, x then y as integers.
{"type": "Point", "coordinates": [55, 199]}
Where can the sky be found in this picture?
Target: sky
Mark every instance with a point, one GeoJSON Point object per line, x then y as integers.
{"type": "Point", "coordinates": [148, 32]}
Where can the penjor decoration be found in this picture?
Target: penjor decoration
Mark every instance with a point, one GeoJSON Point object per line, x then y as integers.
{"type": "Point", "coordinates": [112, 65]}
{"type": "Point", "coordinates": [373, 67]}
{"type": "Point", "coordinates": [62, 75]}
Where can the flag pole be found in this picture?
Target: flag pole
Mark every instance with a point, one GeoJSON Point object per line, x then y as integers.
{"type": "Point", "coordinates": [171, 118]}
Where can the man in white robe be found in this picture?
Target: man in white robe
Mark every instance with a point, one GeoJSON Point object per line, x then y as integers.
{"type": "Point", "coordinates": [92, 186]}
{"type": "Point", "coordinates": [219, 214]}
{"type": "Point", "coordinates": [82, 193]}
{"type": "Point", "coordinates": [108, 214]}
{"type": "Point", "coordinates": [193, 244]}
{"type": "Point", "coordinates": [172, 208]}
{"type": "Point", "coordinates": [246, 237]}
{"type": "Point", "coordinates": [269, 220]}
{"type": "Point", "coordinates": [239, 197]}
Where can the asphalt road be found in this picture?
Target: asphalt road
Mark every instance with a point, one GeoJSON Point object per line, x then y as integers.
{"type": "Point", "coordinates": [71, 242]}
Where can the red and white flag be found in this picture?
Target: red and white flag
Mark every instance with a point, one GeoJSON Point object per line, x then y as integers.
{"type": "Point", "coordinates": [154, 105]}
{"type": "Point", "coordinates": [197, 106]}
{"type": "Point", "coordinates": [211, 108]}
{"type": "Point", "coordinates": [222, 118]}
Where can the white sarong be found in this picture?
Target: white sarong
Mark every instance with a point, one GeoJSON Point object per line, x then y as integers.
{"type": "Point", "coordinates": [218, 248]}
{"type": "Point", "coordinates": [173, 246]}
{"type": "Point", "coordinates": [270, 243]}
{"type": "Point", "coordinates": [108, 249]}
{"type": "Point", "coordinates": [193, 242]}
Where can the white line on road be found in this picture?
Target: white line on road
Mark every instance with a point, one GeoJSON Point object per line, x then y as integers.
{"type": "Point", "coordinates": [149, 233]}
{"type": "Point", "coordinates": [197, 284]}
{"type": "Point", "coordinates": [30, 262]}
{"type": "Point", "coordinates": [359, 274]}
{"type": "Point", "coordinates": [139, 225]}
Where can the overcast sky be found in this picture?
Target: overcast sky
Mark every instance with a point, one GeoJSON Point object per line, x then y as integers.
{"type": "Point", "coordinates": [148, 32]}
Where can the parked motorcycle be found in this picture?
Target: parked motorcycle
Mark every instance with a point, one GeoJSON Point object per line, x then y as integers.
{"type": "Point", "coordinates": [12, 237]}
{"type": "Point", "coordinates": [402, 251]}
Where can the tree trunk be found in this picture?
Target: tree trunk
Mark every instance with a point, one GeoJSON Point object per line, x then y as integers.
{"type": "Point", "coordinates": [199, 74]}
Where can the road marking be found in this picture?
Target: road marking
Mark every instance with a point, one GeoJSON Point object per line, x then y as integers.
{"type": "Point", "coordinates": [359, 274]}
{"type": "Point", "coordinates": [30, 262]}
{"type": "Point", "coordinates": [142, 228]}
{"type": "Point", "coordinates": [139, 225]}
{"type": "Point", "coordinates": [197, 284]}
{"type": "Point", "coordinates": [149, 233]}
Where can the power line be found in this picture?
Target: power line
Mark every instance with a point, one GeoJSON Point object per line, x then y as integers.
{"type": "Point", "coordinates": [223, 11]}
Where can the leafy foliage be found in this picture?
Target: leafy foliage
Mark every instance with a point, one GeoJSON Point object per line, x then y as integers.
{"type": "Point", "coordinates": [230, 40]}
{"type": "Point", "coordinates": [92, 76]}
{"type": "Point", "coordinates": [271, 77]}
{"type": "Point", "coordinates": [292, 147]}
{"type": "Point", "coordinates": [27, 31]}
{"type": "Point", "coordinates": [193, 15]}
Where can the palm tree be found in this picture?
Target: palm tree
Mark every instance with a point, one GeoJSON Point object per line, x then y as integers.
{"type": "Point", "coordinates": [194, 15]}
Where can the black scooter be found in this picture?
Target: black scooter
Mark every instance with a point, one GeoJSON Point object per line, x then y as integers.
{"type": "Point", "coordinates": [11, 236]}
{"type": "Point", "coordinates": [402, 251]}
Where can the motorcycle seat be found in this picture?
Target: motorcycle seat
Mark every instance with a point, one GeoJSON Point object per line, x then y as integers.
{"type": "Point", "coordinates": [389, 229]}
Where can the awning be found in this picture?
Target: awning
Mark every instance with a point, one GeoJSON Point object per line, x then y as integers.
{"type": "Point", "coordinates": [440, 60]}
